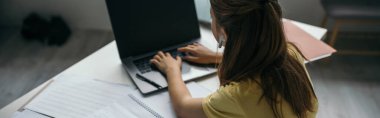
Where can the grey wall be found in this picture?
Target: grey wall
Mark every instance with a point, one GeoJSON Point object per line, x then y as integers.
{"type": "Point", "coordinates": [92, 14]}
{"type": "Point", "coordinates": [307, 11]}
{"type": "Point", "coordinates": [85, 14]}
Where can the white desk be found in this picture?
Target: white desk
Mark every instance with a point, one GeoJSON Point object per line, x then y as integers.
{"type": "Point", "coordinates": [105, 64]}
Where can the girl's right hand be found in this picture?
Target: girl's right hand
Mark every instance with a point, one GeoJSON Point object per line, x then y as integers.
{"type": "Point", "coordinates": [197, 53]}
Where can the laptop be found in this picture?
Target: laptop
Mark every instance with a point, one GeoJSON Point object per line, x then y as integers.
{"type": "Point", "coordinates": [144, 27]}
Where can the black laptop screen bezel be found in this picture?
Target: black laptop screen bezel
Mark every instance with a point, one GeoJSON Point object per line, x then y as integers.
{"type": "Point", "coordinates": [142, 26]}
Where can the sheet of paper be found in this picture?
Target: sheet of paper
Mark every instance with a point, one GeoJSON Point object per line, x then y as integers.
{"type": "Point", "coordinates": [125, 108]}
{"type": "Point", "coordinates": [113, 111]}
{"type": "Point", "coordinates": [28, 114]}
{"type": "Point", "coordinates": [76, 97]}
{"type": "Point", "coordinates": [161, 103]}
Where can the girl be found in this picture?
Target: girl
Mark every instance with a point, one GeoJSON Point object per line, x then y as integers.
{"type": "Point", "coordinates": [261, 75]}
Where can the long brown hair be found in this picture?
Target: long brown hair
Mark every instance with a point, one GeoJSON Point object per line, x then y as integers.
{"type": "Point", "coordinates": [256, 45]}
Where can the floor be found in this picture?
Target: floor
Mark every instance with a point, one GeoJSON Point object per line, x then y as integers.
{"type": "Point", "coordinates": [26, 64]}
{"type": "Point", "coordinates": [347, 86]}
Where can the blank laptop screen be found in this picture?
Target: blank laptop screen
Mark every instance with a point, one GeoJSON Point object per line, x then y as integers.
{"type": "Point", "coordinates": [142, 26]}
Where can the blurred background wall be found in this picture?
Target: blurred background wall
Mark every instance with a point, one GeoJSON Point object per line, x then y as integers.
{"type": "Point", "coordinates": [82, 14]}
{"type": "Point", "coordinates": [92, 14]}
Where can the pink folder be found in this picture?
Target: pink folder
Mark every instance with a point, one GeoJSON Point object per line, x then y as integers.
{"type": "Point", "coordinates": [310, 47]}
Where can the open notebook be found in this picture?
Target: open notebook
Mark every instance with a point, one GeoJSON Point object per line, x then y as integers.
{"type": "Point", "coordinates": [156, 106]}
{"type": "Point", "coordinates": [309, 46]}
{"type": "Point", "coordinates": [76, 97]}
{"type": "Point", "coordinates": [81, 97]}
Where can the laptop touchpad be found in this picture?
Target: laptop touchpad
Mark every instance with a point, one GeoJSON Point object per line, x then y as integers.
{"type": "Point", "coordinates": [185, 67]}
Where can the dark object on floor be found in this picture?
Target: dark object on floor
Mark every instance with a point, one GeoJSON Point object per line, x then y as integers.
{"type": "Point", "coordinates": [59, 31]}
{"type": "Point", "coordinates": [34, 27]}
{"type": "Point", "coordinates": [53, 32]}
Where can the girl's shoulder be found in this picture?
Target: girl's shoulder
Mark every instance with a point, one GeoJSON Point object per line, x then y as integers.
{"type": "Point", "coordinates": [295, 52]}
{"type": "Point", "coordinates": [228, 100]}
{"type": "Point", "coordinates": [241, 90]}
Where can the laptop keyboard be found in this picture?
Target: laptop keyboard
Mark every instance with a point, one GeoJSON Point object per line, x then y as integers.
{"type": "Point", "coordinates": [144, 66]}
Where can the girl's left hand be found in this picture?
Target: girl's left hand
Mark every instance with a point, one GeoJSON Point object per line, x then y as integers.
{"type": "Point", "coordinates": [166, 63]}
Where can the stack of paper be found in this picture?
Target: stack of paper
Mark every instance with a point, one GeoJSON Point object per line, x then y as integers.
{"type": "Point", "coordinates": [138, 106]}
{"type": "Point", "coordinates": [310, 47]}
{"type": "Point", "coordinates": [76, 97]}
{"type": "Point", "coordinates": [28, 114]}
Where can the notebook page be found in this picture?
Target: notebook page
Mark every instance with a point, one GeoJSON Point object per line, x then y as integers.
{"type": "Point", "coordinates": [76, 97]}
{"type": "Point", "coordinates": [161, 103]}
{"type": "Point", "coordinates": [113, 111]}
{"type": "Point", "coordinates": [124, 108]}
{"type": "Point", "coordinates": [27, 114]}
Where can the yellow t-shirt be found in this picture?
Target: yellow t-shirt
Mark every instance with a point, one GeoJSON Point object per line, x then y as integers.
{"type": "Point", "coordinates": [241, 100]}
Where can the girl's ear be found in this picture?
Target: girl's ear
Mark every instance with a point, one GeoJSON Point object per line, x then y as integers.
{"type": "Point", "coordinates": [224, 33]}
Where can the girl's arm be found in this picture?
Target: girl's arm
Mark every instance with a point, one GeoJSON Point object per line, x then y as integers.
{"type": "Point", "coordinates": [184, 105]}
